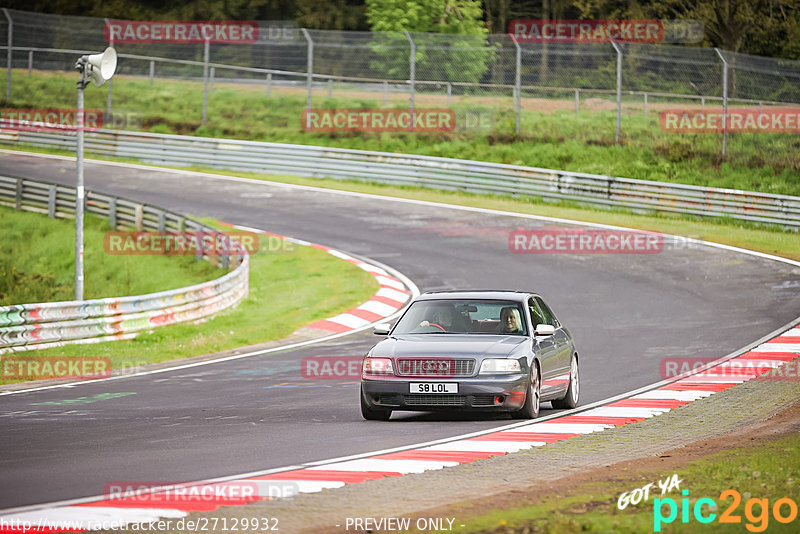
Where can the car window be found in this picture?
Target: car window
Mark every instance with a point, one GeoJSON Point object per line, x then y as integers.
{"type": "Point", "coordinates": [458, 316]}
{"type": "Point", "coordinates": [537, 317]}
{"type": "Point", "coordinates": [547, 314]}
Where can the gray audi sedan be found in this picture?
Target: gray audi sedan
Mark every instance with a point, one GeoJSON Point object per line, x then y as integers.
{"type": "Point", "coordinates": [471, 350]}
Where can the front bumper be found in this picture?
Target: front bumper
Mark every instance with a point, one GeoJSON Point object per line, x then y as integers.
{"type": "Point", "coordinates": [503, 393]}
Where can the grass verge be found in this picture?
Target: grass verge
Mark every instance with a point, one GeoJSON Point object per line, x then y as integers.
{"type": "Point", "coordinates": [37, 262]}
{"type": "Point", "coordinates": [766, 472]}
{"type": "Point", "coordinates": [550, 137]}
{"type": "Point", "coordinates": [290, 286]}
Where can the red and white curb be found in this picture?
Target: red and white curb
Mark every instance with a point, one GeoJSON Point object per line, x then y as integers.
{"type": "Point", "coordinates": [391, 296]}
{"type": "Point", "coordinates": [335, 473]}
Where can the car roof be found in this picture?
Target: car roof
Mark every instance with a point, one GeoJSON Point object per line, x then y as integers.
{"type": "Point", "coordinates": [480, 294]}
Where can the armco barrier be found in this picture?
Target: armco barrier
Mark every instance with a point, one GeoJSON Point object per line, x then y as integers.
{"type": "Point", "coordinates": [425, 171]}
{"type": "Point", "coordinates": [31, 326]}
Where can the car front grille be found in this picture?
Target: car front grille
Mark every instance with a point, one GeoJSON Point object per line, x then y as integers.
{"type": "Point", "coordinates": [442, 367]}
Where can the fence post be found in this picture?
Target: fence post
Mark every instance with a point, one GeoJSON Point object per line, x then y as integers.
{"type": "Point", "coordinates": [152, 71]}
{"type": "Point", "coordinates": [724, 102]}
{"type": "Point", "coordinates": [9, 51]}
{"type": "Point", "coordinates": [517, 84]}
{"type": "Point", "coordinates": [449, 92]}
{"type": "Point", "coordinates": [385, 93]}
{"type": "Point", "coordinates": [330, 87]}
{"type": "Point", "coordinates": [211, 80]}
{"type": "Point", "coordinates": [412, 73]}
{"type": "Point", "coordinates": [619, 90]}
{"type": "Point", "coordinates": [269, 84]}
{"type": "Point", "coordinates": [309, 74]}
{"type": "Point", "coordinates": [18, 195]}
{"type": "Point", "coordinates": [645, 105]}
{"type": "Point", "coordinates": [577, 99]}
{"type": "Point", "coordinates": [206, 53]}
{"type": "Point", "coordinates": [30, 62]}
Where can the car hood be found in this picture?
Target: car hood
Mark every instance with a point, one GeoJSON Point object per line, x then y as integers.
{"type": "Point", "coordinates": [448, 345]}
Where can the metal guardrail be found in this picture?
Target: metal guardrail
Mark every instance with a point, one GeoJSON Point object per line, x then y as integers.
{"type": "Point", "coordinates": [426, 171]}
{"type": "Point", "coordinates": [32, 326]}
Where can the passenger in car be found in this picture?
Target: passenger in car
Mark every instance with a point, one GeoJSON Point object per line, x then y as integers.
{"type": "Point", "coordinates": [510, 322]}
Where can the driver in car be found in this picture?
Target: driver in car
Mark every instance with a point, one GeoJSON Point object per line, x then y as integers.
{"type": "Point", "coordinates": [441, 318]}
{"type": "Point", "coordinates": [509, 321]}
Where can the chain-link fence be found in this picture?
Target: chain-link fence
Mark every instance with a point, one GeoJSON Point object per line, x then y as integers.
{"type": "Point", "coordinates": [479, 78]}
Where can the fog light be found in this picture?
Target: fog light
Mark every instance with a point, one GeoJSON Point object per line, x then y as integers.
{"type": "Point", "coordinates": [499, 399]}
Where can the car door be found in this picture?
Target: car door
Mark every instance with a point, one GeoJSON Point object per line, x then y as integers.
{"type": "Point", "coordinates": [562, 340]}
{"type": "Point", "coordinates": [547, 350]}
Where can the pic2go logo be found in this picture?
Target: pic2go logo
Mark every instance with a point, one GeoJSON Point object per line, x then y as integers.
{"type": "Point", "coordinates": [784, 511]}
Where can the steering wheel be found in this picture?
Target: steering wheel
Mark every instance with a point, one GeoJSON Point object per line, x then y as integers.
{"type": "Point", "coordinates": [440, 327]}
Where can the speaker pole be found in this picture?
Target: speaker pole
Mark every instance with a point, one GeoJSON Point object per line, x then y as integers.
{"type": "Point", "coordinates": [79, 195]}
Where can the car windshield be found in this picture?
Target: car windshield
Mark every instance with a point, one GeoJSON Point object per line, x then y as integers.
{"type": "Point", "coordinates": [449, 316]}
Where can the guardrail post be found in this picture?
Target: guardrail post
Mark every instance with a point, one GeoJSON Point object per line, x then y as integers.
{"type": "Point", "coordinates": [18, 195]}
{"type": "Point", "coordinates": [9, 52]}
{"type": "Point", "coordinates": [309, 74]}
{"type": "Point", "coordinates": [619, 90]}
{"type": "Point", "coordinates": [30, 63]}
{"type": "Point", "coordinates": [138, 217]}
{"type": "Point", "coordinates": [112, 213]}
{"type": "Point", "coordinates": [724, 102]}
{"type": "Point", "coordinates": [269, 84]}
{"type": "Point", "coordinates": [162, 222]}
{"type": "Point", "coordinates": [206, 52]}
{"type": "Point", "coordinates": [412, 74]}
{"type": "Point", "coordinates": [152, 71]}
{"type": "Point", "coordinates": [51, 202]}
{"type": "Point", "coordinates": [517, 84]}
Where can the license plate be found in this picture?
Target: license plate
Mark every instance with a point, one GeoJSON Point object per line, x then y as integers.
{"type": "Point", "coordinates": [434, 387]}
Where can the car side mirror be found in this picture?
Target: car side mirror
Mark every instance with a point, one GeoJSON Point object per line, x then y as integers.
{"type": "Point", "coordinates": [382, 329]}
{"type": "Point", "coordinates": [545, 330]}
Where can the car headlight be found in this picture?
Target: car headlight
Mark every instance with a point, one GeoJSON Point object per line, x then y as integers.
{"type": "Point", "coordinates": [499, 366]}
{"type": "Point", "coordinates": [377, 367]}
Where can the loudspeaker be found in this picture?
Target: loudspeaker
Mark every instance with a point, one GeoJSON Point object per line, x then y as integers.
{"type": "Point", "coordinates": [101, 67]}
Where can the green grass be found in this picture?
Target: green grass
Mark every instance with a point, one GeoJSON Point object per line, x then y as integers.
{"type": "Point", "coordinates": [290, 286]}
{"type": "Point", "coordinates": [583, 142]}
{"type": "Point", "coordinates": [37, 262]}
{"type": "Point", "coordinates": [769, 471]}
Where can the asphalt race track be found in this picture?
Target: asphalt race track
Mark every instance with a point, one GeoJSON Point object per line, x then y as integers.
{"type": "Point", "coordinates": [627, 312]}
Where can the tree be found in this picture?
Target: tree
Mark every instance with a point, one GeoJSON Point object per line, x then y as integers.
{"type": "Point", "coordinates": [461, 54]}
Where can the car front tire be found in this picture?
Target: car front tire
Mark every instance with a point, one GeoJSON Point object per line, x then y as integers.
{"type": "Point", "coordinates": [570, 400]}
{"type": "Point", "coordinates": [533, 397]}
{"type": "Point", "coordinates": [373, 414]}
